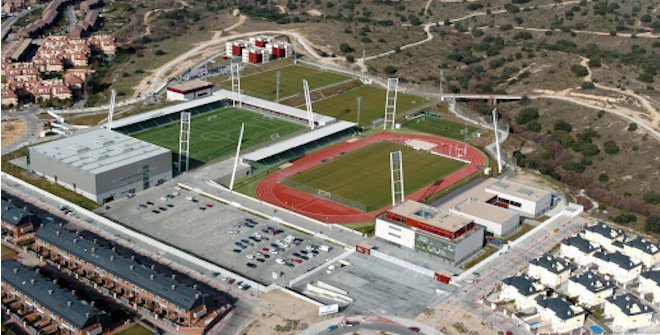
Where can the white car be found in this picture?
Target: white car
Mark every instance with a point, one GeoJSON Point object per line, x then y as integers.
{"type": "Point", "coordinates": [280, 261]}
{"type": "Point", "coordinates": [250, 256]}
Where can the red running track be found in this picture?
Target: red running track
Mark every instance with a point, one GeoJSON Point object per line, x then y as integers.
{"type": "Point", "coordinates": [270, 189]}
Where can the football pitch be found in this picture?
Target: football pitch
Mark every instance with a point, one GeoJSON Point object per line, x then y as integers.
{"type": "Point", "coordinates": [440, 127]}
{"type": "Point", "coordinates": [363, 176]}
{"type": "Point", "coordinates": [215, 134]}
{"type": "Point", "coordinates": [263, 84]}
{"type": "Point", "coordinates": [344, 105]}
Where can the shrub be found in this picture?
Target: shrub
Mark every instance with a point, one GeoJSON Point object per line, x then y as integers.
{"type": "Point", "coordinates": [390, 69]}
{"type": "Point", "coordinates": [652, 224]}
{"type": "Point", "coordinates": [611, 147]}
{"type": "Point", "coordinates": [533, 125]}
{"type": "Point", "coordinates": [625, 218]}
{"type": "Point", "coordinates": [587, 85]}
{"type": "Point", "coordinates": [579, 70]}
{"type": "Point", "coordinates": [526, 115]}
{"type": "Point", "coordinates": [603, 177]}
{"type": "Point", "coordinates": [160, 52]}
{"type": "Point", "coordinates": [652, 197]}
{"type": "Point", "coordinates": [562, 125]}
{"type": "Point", "coordinates": [350, 58]}
{"type": "Point", "coordinates": [632, 126]}
{"type": "Point", "coordinates": [594, 61]}
{"type": "Point", "coordinates": [345, 48]}
{"type": "Point", "coordinates": [573, 166]}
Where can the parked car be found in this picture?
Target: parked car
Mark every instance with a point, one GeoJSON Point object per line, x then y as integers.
{"type": "Point", "coordinates": [414, 329]}
{"type": "Point", "coordinates": [251, 265]}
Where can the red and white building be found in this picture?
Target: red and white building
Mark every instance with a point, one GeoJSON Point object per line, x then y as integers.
{"type": "Point", "coordinates": [189, 90]}
{"type": "Point", "coordinates": [255, 55]}
{"type": "Point", "coordinates": [451, 238]}
{"type": "Point", "coordinates": [235, 48]}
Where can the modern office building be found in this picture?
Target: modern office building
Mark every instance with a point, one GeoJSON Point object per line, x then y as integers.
{"type": "Point", "coordinates": [453, 239]}
{"type": "Point", "coordinates": [101, 164]}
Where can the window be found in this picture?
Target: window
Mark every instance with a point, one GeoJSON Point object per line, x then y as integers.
{"type": "Point", "coordinates": [395, 228]}
{"type": "Point", "coordinates": [395, 235]}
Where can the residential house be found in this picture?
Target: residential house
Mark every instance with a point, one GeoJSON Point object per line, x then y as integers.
{"type": "Point", "coordinates": [550, 270]}
{"type": "Point", "coordinates": [17, 223]}
{"type": "Point", "coordinates": [649, 283]}
{"type": "Point", "coordinates": [642, 249]}
{"type": "Point", "coordinates": [620, 267]}
{"type": "Point", "coordinates": [59, 310]}
{"type": "Point", "coordinates": [127, 280]}
{"type": "Point", "coordinates": [522, 290]}
{"type": "Point", "coordinates": [578, 249]}
{"type": "Point", "coordinates": [628, 312]}
{"type": "Point", "coordinates": [563, 315]}
{"type": "Point", "coordinates": [589, 288]}
{"type": "Point", "coordinates": [604, 235]}
{"type": "Point", "coordinates": [9, 98]}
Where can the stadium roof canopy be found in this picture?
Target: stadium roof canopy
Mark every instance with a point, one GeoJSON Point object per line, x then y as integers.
{"type": "Point", "coordinates": [299, 140]}
{"type": "Point", "coordinates": [221, 95]}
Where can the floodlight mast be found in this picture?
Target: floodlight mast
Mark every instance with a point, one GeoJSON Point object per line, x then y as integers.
{"type": "Point", "coordinates": [236, 83]}
{"type": "Point", "coordinates": [184, 142]}
{"type": "Point", "coordinates": [396, 173]}
{"type": "Point", "coordinates": [497, 141]}
{"type": "Point", "coordinates": [111, 110]}
{"type": "Point", "coordinates": [390, 102]}
{"type": "Point", "coordinates": [277, 86]}
{"type": "Point", "coordinates": [308, 104]}
{"type": "Point", "coordinates": [238, 152]}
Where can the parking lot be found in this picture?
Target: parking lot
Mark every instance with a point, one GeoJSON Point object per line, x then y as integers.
{"type": "Point", "coordinates": [256, 248]}
{"type": "Point", "coordinates": [377, 286]}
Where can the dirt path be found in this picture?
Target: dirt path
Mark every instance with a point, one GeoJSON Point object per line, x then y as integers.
{"type": "Point", "coordinates": [241, 20]}
{"type": "Point", "coordinates": [590, 32]}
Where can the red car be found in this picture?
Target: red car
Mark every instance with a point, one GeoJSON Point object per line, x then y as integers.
{"type": "Point", "coordinates": [414, 329]}
{"type": "Point", "coordinates": [208, 206]}
{"type": "Point", "coordinates": [277, 231]}
{"type": "Point", "coordinates": [265, 249]}
{"type": "Point", "coordinates": [297, 260]}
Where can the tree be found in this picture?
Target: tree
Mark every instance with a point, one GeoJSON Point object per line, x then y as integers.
{"type": "Point", "coordinates": [588, 85]}
{"type": "Point", "coordinates": [345, 48]}
{"type": "Point", "coordinates": [579, 70]}
{"type": "Point", "coordinates": [652, 197]}
{"type": "Point", "coordinates": [350, 58]}
{"type": "Point", "coordinates": [652, 224]}
{"type": "Point", "coordinates": [390, 69]}
{"type": "Point", "coordinates": [526, 115]}
{"type": "Point", "coordinates": [533, 125]}
{"type": "Point", "coordinates": [632, 126]}
{"type": "Point", "coordinates": [594, 61]}
{"type": "Point", "coordinates": [573, 166]}
{"type": "Point", "coordinates": [562, 125]}
{"type": "Point", "coordinates": [603, 177]}
{"type": "Point", "coordinates": [611, 147]}
{"type": "Point", "coordinates": [159, 52]}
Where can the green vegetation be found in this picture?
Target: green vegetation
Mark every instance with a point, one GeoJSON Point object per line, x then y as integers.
{"type": "Point", "coordinates": [483, 254]}
{"type": "Point", "coordinates": [364, 175]}
{"type": "Point", "coordinates": [344, 106]}
{"type": "Point", "coordinates": [215, 134]}
{"type": "Point", "coordinates": [263, 84]}
{"type": "Point", "coordinates": [135, 329]}
{"type": "Point", "coordinates": [522, 230]}
{"type": "Point", "coordinates": [440, 127]}
{"type": "Point", "coordinates": [367, 228]}
{"type": "Point", "coordinates": [43, 183]}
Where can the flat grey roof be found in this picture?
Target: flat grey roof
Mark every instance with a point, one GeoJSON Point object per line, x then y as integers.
{"type": "Point", "coordinates": [99, 150]}
{"type": "Point", "coordinates": [511, 188]}
{"type": "Point", "coordinates": [299, 140]}
{"type": "Point", "coordinates": [190, 85]}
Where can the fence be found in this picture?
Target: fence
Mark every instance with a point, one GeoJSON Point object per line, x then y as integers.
{"type": "Point", "coordinates": [325, 194]}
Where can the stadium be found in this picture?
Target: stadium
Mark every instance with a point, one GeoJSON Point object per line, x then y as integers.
{"type": "Point", "coordinates": [331, 172]}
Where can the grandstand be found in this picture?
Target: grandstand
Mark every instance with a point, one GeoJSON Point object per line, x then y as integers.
{"type": "Point", "coordinates": [300, 145]}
